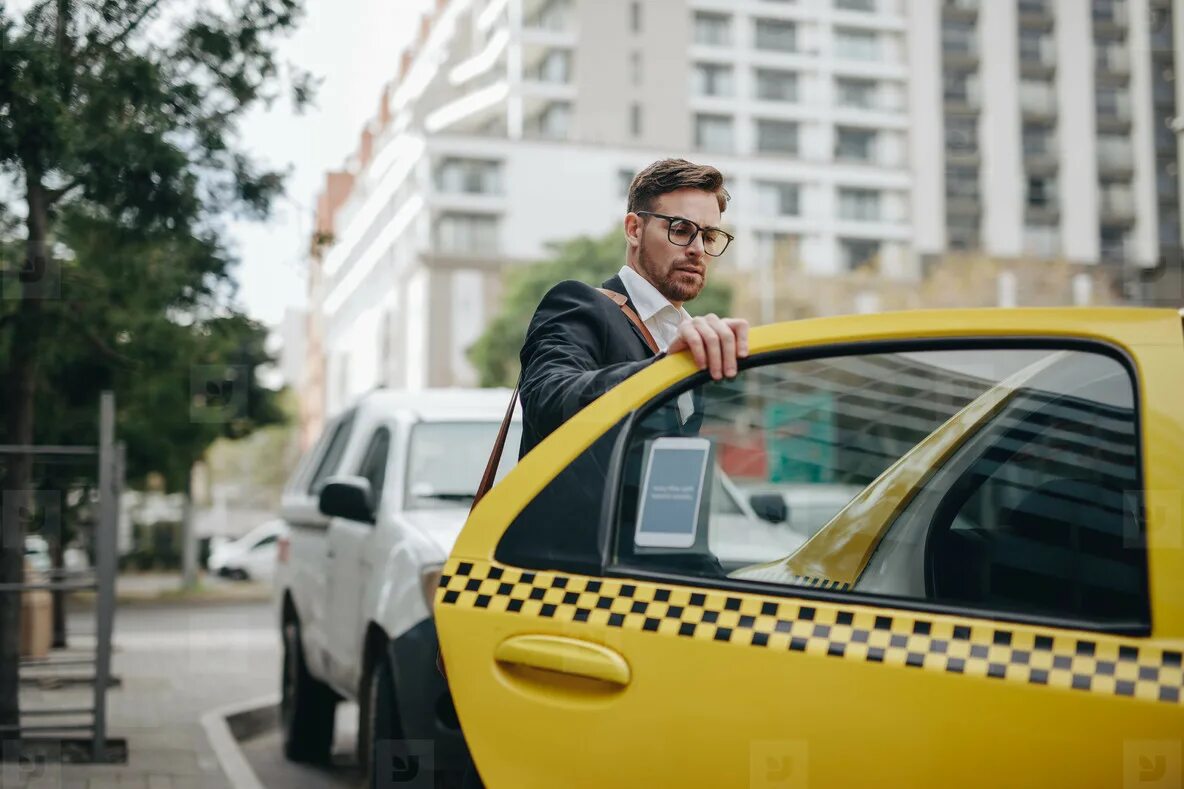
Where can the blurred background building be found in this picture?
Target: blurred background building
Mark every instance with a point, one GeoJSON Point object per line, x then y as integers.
{"type": "Point", "coordinates": [876, 139]}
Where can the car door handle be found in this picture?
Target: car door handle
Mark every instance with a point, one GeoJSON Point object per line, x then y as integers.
{"type": "Point", "coordinates": [564, 656]}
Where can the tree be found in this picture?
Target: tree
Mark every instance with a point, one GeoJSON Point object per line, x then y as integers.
{"type": "Point", "coordinates": [591, 260]}
{"type": "Point", "coordinates": [117, 123]}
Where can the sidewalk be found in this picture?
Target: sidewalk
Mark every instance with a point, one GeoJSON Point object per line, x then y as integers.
{"type": "Point", "coordinates": [176, 663]}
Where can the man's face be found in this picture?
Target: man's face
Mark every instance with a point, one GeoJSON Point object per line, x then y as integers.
{"type": "Point", "coordinates": [678, 273]}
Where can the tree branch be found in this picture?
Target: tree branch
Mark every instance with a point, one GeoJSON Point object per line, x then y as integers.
{"type": "Point", "coordinates": [97, 341]}
{"type": "Point", "coordinates": [129, 28]}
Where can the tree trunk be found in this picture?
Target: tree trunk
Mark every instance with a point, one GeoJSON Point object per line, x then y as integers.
{"type": "Point", "coordinates": [18, 498]}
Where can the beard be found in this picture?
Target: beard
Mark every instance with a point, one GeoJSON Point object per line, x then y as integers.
{"type": "Point", "coordinates": [675, 285]}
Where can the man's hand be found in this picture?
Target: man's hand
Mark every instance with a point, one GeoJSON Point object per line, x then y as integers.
{"type": "Point", "coordinates": [715, 343]}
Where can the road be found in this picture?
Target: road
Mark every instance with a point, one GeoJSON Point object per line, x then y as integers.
{"type": "Point", "coordinates": [275, 772]}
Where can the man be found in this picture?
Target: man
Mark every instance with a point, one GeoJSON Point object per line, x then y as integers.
{"type": "Point", "coordinates": [580, 343]}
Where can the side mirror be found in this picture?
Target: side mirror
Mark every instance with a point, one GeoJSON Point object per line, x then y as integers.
{"type": "Point", "coordinates": [770, 507]}
{"type": "Point", "coordinates": [347, 497]}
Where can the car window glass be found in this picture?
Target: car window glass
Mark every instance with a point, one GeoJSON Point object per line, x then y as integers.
{"type": "Point", "coordinates": [1004, 479]}
{"type": "Point", "coordinates": [332, 457]}
{"type": "Point", "coordinates": [373, 465]}
{"type": "Point", "coordinates": [268, 540]}
{"type": "Point", "coordinates": [445, 462]}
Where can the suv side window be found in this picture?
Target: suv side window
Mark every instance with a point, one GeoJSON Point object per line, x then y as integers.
{"type": "Point", "coordinates": [373, 465]}
{"type": "Point", "coordinates": [1001, 480]}
{"type": "Point", "coordinates": [332, 457]}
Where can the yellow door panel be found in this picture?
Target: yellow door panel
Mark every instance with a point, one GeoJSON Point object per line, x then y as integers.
{"type": "Point", "coordinates": [756, 680]}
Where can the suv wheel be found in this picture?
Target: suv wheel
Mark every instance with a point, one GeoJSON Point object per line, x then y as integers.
{"type": "Point", "coordinates": [380, 720]}
{"type": "Point", "coordinates": [307, 705]}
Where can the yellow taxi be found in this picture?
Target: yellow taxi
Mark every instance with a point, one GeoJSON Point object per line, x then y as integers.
{"type": "Point", "coordinates": [999, 602]}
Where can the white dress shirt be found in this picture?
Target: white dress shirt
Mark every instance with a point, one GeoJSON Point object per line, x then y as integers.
{"type": "Point", "coordinates": [659, 316]}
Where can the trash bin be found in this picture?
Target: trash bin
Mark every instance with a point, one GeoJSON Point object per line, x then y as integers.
{"type": "Point", "coordinates": [36, 617]}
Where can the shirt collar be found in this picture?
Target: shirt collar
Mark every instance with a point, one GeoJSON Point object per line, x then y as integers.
{"type": "Point", "coordinates": [645, 297]}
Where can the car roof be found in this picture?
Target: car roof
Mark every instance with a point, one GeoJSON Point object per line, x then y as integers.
{"type": "Point", "coordinates": [438, 405]}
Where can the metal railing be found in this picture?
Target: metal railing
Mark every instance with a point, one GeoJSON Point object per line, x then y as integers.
{"type": "Point", "coordinates": [101, 581]}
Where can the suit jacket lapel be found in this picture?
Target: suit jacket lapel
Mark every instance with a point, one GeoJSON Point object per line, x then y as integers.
{"type": "Point", "coordinates": [615, 284]}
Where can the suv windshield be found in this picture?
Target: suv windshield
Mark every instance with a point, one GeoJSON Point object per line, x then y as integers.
{"type": "Point", "coordinates": [445, 461]}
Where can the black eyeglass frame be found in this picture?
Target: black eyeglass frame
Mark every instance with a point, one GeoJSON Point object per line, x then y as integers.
{"type": "Point", "coordinates": [699, 229]}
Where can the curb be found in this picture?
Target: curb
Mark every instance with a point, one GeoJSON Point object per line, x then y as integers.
{"type": "Point", "coordinates": [226, 725]}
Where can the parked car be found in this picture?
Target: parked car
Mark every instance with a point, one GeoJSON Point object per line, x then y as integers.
{"type": "Point", "coordinates": [373, 509]}
{"type": "Point", "coordinates": [999, 604]}
{"type": "Point", "coordinates": [250, 557]}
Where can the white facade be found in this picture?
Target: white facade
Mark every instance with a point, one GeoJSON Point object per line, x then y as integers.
{"type": "Point", "coordinates": [848, 131]}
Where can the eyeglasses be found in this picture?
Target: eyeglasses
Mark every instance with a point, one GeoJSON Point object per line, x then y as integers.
{"type": "Point", "coordinates": [681, 232]}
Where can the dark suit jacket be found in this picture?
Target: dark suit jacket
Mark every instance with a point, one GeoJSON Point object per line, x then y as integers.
{"type": "Point", "coordinates": [579, 345]}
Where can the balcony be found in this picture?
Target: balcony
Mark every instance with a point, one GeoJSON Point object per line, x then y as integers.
{"type": "Point", "coordinates": [1113, 61]}
{"type": "Point", "coordinates": [962, 96]}
{"type": "Point", "coordinates": [1037, 101]}
{"type": "Point", "coordinates": [1113, 112]}
{"type": "Point", "coordinates": [960, 10]}
{"type": "Point", "coordinates": [1109, 17]}
{"type": "Point", "coordinates": [1039, 58]}
{"type": "Point", "coordinates": [1115, 160]}
{"type": "Point", "coordinates": [1117, 205]}
{"type": "Point", "coordinates": [1035, 14]}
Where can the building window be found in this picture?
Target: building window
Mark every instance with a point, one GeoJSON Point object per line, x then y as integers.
{"type": "Point", "coordinates": [554, 68]}
{"type": "Point", "coordinates": [859, 205]}
{"type": "Point", "coordinates": [958, 37]}
{"type": "Point", "coordinates": [711, 79]}
{"type": "Point", "coordinates": [624, 181]}
{"type": "Point", "coordinates": [1037, 139]}
{"type": "Point", "coordinates": [551, 15]}
{"type": "Point", "coordinates": [714, 133]}
{"type": "Point", "coordinates": [858, 93]}
{"type": "Point", "coordinates": [713, 29]}
{"type": "Point", "coordinates": [470, 176]}
{"type": "Point", "coordinates": [858, 252]}
{"type": "Point", "coordinates": [1041, 192]}
{"type": "Point", "coordinates": [958, 88]}
{"type": "Point", "coordinates": [855, 5]}
{"type": "Point", "coordinates": [777, 137]}
{"type": "Point", "coordinates": [467, 234]}
{"type": "Point", "coordinates": [635, 120]}
{"type": "Point", "coordinates": [773, 85]}
{"type": "Point", "coordinates": [856, 44]}
{"type": "Point", "coordinates": [856, 145]}
{"type": "Point", "coordinates": [553, 122]}
{"type": "Point", "coordinates": [961, 133]}
{"type": "Point", "coordinates": [777, 198]}
{"type": "Point", "coordinates": [635, 73]}
{"type": "Point", "coordinates": [635, 16]}
{"type": "Point", "coordinates": [1112, 103]}
{"type": "Point", "coordinates": [961, 181]}
{"type": "Point", "coordinates": [776, 34]}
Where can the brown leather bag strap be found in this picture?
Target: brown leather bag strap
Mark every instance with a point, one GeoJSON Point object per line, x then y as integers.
{"type": "Point", "coordinates": [499, 444]}
{"type": "Point", "coordinates": [623, 302]}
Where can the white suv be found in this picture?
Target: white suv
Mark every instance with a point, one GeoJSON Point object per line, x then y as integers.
{"type": "Point", "coordinates": [373, 511]}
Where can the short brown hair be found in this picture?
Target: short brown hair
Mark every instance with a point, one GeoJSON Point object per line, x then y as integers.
{"type": "Point", "coordinates": [669, 175]}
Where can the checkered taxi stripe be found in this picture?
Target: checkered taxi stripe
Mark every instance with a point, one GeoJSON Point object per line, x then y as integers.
{"type": "Point", "coordinates": [985, 650]}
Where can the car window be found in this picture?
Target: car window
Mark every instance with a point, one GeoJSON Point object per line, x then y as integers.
{"type": "Point", "coordinates": [373, 465]}
{"type": "Point", "coordinates": [268, 540]}
{"type": "Point", "coordinates": [333, 452]}
{"type": "Point", "coordinates": [445, 462]}
{"type": "Point", "coordinates": [1002, 479]}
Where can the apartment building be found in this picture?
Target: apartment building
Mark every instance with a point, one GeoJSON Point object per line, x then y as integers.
{"type": "Point", "coordinates": [1056, 121]}
{"type": "Point", "coordinates": [515, 123]}
{"type": "Point", "coordinates": [851, 133]}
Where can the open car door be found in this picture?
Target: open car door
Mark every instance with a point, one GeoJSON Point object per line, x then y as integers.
{"type": "Point", "coordinates": [1002, 604]}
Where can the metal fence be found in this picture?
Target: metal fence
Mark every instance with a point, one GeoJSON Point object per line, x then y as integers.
{"type": "Point", "coordinates": [101, 580]}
